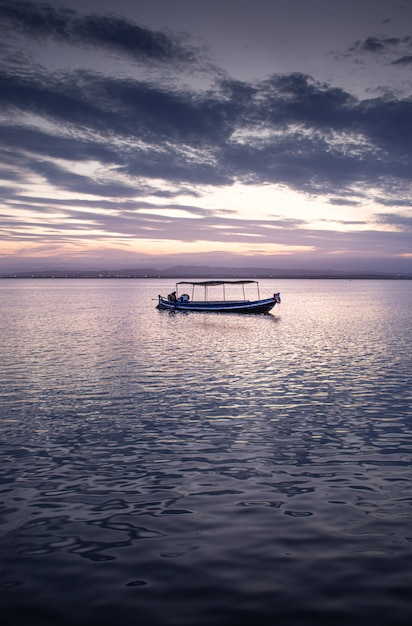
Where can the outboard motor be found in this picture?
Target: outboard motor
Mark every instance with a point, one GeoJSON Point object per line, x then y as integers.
{"type": "Point", "coordinates": [184, 298]}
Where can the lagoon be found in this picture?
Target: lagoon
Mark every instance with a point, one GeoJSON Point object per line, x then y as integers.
{"type": "Point", "coordinates": [197, 469]}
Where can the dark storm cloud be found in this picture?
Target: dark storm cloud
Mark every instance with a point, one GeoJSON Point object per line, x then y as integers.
{"type": "Point", "coordinates": [43, 21]}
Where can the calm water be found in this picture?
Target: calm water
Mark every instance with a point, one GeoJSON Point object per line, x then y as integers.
{"type": "Point", "coordinates": [200, 469]}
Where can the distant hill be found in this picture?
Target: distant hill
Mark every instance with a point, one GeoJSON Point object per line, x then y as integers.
{"type": "Point", "coordinates": [203, 272]}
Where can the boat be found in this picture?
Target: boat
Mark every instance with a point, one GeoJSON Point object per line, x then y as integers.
{"type": "Point", "coordinates": [178, 301]}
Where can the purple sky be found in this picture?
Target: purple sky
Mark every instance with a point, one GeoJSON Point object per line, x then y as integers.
{"type": "Point", "coordinates": [266, 133]}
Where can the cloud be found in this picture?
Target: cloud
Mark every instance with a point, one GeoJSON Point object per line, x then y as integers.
{"type": "Point", "coordinates": [298, 132]}
{"type": "Point", "coordinates": [403, 61]}
{"type": "Point", "coordinates": [394, 51]}
{"type": "Point", "coordinates": [286, 129]}
{"type": "Point", "coordinates": [396, 200]}
{"type": "Point", "coordinates": [102, 143]}
{"type": "Point", "coordinates": [379, 44]}
{"type": "Point", "coordinates": [343, 202]}
{"type": "Point", "coordinates": [402, 221]}
{"type": "Point", "coordinates": [43, 21]}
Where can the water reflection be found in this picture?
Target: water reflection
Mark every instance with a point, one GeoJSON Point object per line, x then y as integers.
{"type": "Point", "coordinates": [177, 454]}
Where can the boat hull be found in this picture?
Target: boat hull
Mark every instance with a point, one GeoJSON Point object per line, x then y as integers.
{"type": "Point", "coordinates": [254, 307]}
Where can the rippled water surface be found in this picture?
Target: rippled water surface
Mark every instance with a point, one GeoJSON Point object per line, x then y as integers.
{"type": "Point", "coordinates": [205, 469]}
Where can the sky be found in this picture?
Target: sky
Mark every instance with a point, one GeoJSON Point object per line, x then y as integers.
{"type": "Point", "coordinates": [235, 133]}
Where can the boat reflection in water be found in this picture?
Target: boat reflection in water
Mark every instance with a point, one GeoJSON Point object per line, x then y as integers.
{"type": "Point", "coordinates": [177, 301]}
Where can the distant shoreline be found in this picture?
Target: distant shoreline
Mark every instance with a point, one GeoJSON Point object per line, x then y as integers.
{"type": "Point", "coordinates": [198, 273]}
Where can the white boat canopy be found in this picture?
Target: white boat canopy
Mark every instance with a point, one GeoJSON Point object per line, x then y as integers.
{"type": "Point", "coordinates": [216, 283]}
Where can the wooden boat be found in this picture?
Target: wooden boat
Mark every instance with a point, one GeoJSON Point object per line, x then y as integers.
{"type": "Point", "coordinates": [177, 301]}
